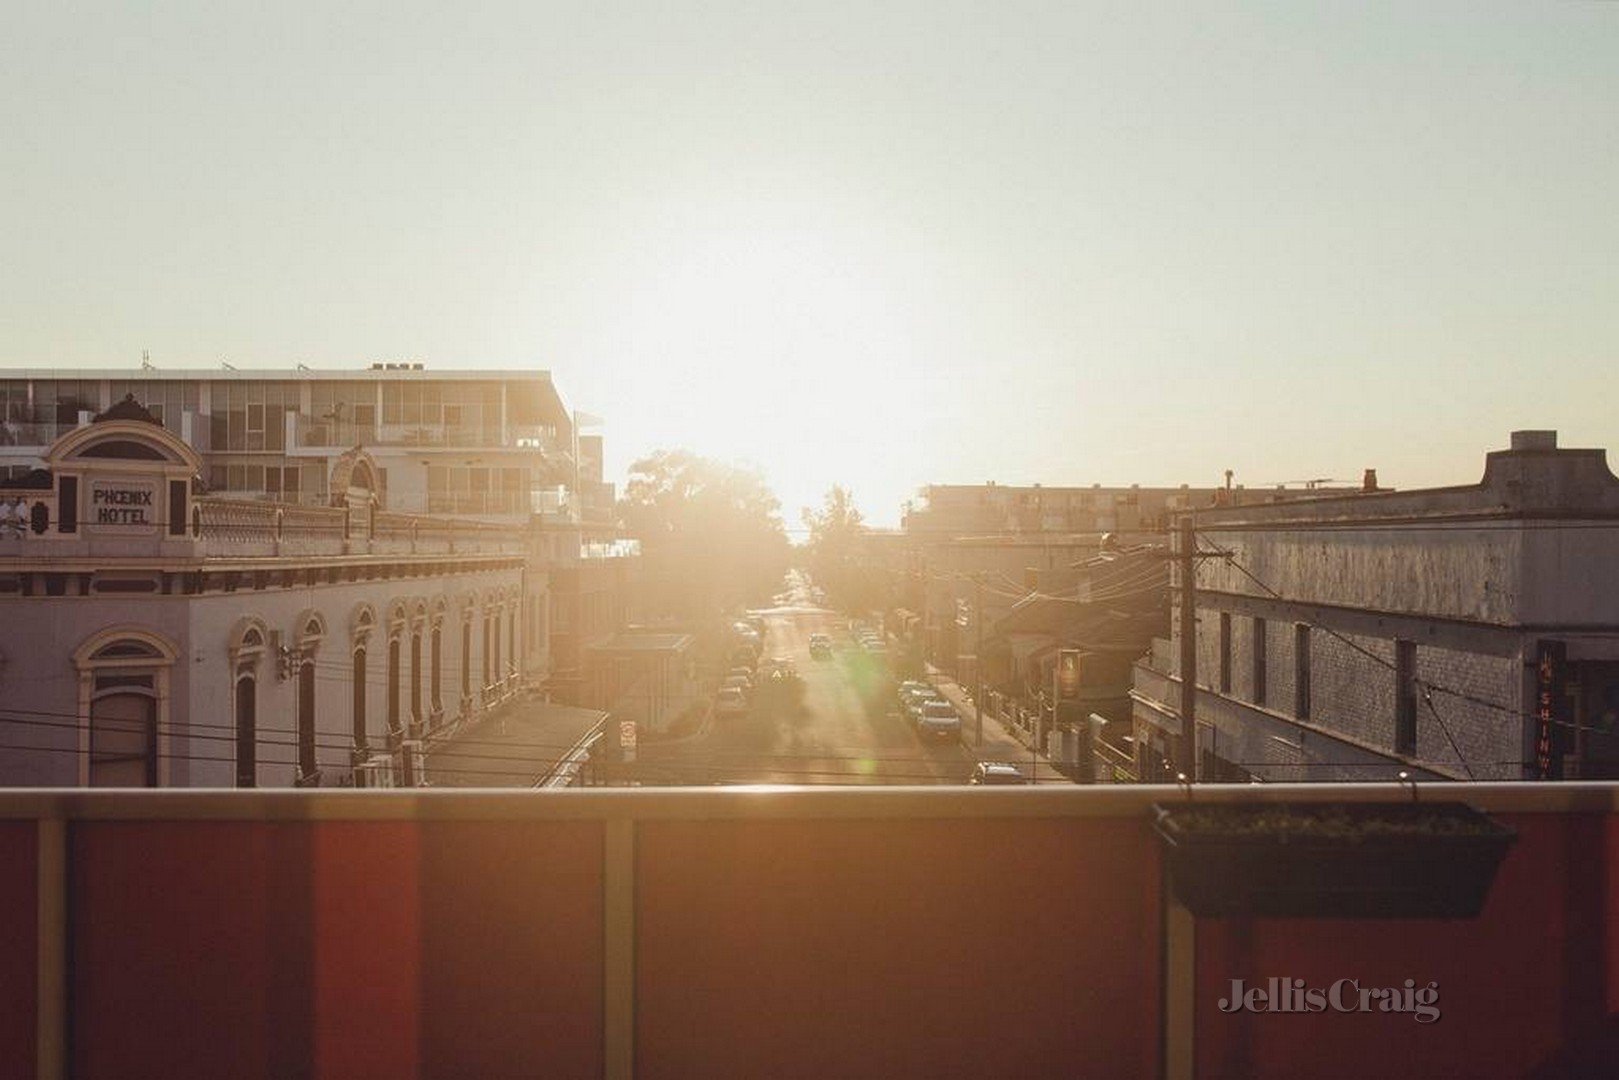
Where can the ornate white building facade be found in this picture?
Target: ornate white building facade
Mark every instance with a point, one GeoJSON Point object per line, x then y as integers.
{"type": "Point", "coordinates": [151, 635]}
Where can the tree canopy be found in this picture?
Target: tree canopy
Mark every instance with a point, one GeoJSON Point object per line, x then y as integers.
{"type": "Point", "coordinates": [836, 556]}
{"type": "Point", "coordinates": [711, 534]}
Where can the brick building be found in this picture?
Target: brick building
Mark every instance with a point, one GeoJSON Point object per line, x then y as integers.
{"type": "Point", "coordinates": [1462, 632]}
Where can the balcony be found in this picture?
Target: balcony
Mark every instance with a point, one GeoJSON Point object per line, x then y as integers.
{"type": "Point", "coordinates": [305, 432]}
{"type": "Point", "coordinates": [849, 933]}
{"type": "Point", "coordinates": [34, 434]}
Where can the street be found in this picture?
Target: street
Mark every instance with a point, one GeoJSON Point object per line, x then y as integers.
{"type": "Point", "coordinates": [832, 738]}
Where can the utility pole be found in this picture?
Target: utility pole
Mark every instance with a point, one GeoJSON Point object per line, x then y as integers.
{"type": "Point", "coordinates": [1187, 559]}
{"type": "Point", "coordinates": [978, 665]}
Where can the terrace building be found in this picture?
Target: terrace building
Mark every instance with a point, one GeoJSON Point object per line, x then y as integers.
{"type": "Point", "coordinates": [1465, 632]}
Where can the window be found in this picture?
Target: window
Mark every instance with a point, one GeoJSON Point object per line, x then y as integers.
{"type": "Point", "coordinates": [67, 504]}
{"type": "Point", "coordinates": [247, 735]}
{"type": "Point", "coordinates": [486, 680]}
{"type": "Point", "coordinates": [494, 620]}
{"type": "Point", "coordinates": [358, 709]}
{"type": "Point", "coordinates": [393, 686]}
{"type": "Point", "coordinates": [417, 716]}
{"type": "Point", "coordinates": [436, 690]}
{"type": "Point", "coordinates": [1225, 652]}
{"type": "Point", "coordinates": [466, 657]}
{"type": "Point", "coordinates": [248, 645]}
{"type": "Point", "coordinates": [308, 771]}
{"type": "Point", "coordinates": [177, 507]}
{"type": "Point", "coordinates": [1405, 698]}
{"type": "Point", "coordinates": [1301, 671]}
{"type": "Point", "coordinates": [1259, 662]}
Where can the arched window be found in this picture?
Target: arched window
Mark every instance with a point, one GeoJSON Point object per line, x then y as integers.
{"type": "Point", "coordinates": [393, 687]}
{"type": "Point", "coordinates": [247, 705]}
{"type": "Point", "coordinates": [123, 707]}
{"type": "Point", "coordinates": [308, 769]}
{"type": "Point", "coordinates": [417, 717]}
{"type": "Point", "coordinates": [466, 655]}
{"type": "Point", "coordinates": [247, 647]}
{"type": "Point", "coordinates": [396, 675]}
{"type": "Point", "coordinates": [511, 636]}
{"type": "Point", "coordinates": [311, 631]}
{"type": "Point", "coordinates": [361, 627]}
{"type": "Point", "coordinates": [487, 680]}
{"type": "Point", "coordinates": [357, 713]}
{"type": "Point", "coordinates": [437, 679]}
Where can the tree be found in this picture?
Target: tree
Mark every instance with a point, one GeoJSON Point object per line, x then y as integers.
{"type": "Point", "coordinates": [711, 534]}
{"type": "Point", "coordinates": [837, 559]}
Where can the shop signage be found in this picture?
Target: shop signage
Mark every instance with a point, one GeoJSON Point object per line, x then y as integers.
{"type": "Point", "coordinates": [1551, 678]}
{"type": "Point", "coordinates": [123, 504]}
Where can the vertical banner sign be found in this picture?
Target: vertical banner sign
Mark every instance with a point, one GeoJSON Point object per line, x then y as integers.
{"type": "Point", "coordinates": [1068, 674]}
{"type": "Point", "coordinates": [626, 738]}
{"type": "Point", "coordinates": [1550, 677]}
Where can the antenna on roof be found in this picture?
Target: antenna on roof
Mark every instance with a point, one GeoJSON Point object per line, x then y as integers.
{"type": "Point", "coordinates": [227, 365]}
{"type": "Point", "coordinates": [146, 361]}
{"type": "Point", "coordinates": [303, 366]}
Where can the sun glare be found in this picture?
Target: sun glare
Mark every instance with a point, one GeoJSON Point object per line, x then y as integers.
{"type": "Point", "coordinates": [774, 345]}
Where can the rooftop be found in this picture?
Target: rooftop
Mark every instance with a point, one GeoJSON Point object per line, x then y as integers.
{"type": "Point", "coordinates": [298, 374]}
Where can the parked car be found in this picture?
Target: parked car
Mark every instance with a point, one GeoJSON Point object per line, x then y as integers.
{"type": "Point", "coordinates": [911, 694]}
{"type": "Point", "coordinates": [991, 773]}
{"type": "Point", "coordinates": [731, 702]}
{"type": "Point", "coordinates": [939, 720]}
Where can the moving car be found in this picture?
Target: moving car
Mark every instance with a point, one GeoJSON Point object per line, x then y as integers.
{"type": "Point", "coordinates": [731, 702]}
{"type": "Point", "coordinates": [740, 683]}
{"type": "Point", "coordinates": [820, 646]}
{"type": "Point", "coordinates": [997, 772]}
{"type": "Point", "coordinates": [939, 720]}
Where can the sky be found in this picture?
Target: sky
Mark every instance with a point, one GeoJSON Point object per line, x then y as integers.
{"type": "Point", "coordinates": [882, 245]}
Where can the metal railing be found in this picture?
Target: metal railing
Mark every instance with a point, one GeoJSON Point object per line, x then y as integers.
{"type": "Point", "coordinates": [321, 432]}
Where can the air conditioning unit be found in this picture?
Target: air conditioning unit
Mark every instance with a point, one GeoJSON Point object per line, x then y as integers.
{"type": "Point", "coordinates": [377, 772]}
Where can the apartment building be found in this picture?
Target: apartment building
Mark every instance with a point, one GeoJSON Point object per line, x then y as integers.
{"type": "Point", "coordinates": [481, 443]}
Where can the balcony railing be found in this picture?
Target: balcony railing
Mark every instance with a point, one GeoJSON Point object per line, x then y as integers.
{"type": "Point", "coordinates": [243, 527]}
{"type": "Point", "coordinates": [320, 432]}
{"type": "Point", "coordinates": [856, 933]}
{"type": "Point", "coordinates": [33, 432]}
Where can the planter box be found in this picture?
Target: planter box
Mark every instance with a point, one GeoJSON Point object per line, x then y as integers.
{"type": "Point", "coordinates": [1333, 860]}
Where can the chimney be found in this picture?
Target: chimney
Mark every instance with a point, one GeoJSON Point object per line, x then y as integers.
{"type": "Point", "coordinates": [1534, 440]}
{"type": "Point", "coordinates": [1368, 481]}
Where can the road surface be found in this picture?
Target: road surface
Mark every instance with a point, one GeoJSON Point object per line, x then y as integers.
{"type": "Point", "coordinates": [833, 738]}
